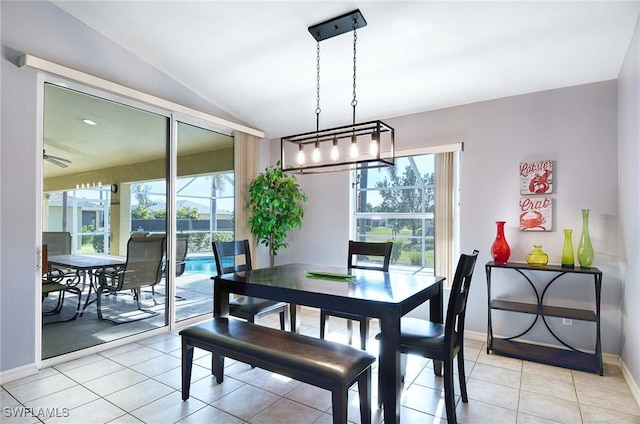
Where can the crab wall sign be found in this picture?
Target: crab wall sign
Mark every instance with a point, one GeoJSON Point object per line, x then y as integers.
{"type": "Point", "coordinates": [536, 213]}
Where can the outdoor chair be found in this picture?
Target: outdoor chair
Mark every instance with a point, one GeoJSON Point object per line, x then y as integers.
{"type": "Point", "coordinates": [53, 281]}
{"type": "Point", "coordinates": [59, 243]}
{"type": "Point", "coordinates": [370, 250]}
{"type": "Point", "coordinates": [442, 342]}
{"type": "Point", "coordinates": [143, 267]}
{"type": "Point", "coordinates": [246, 307]}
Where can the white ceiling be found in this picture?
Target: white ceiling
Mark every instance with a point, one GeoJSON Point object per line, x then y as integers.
{"type": "Point", "coordinates": [256, 60]}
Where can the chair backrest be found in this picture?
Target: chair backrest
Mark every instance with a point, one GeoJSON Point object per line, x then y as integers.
{"type": "Point", "coordinates": [381, 250]}
{"type": "Point", "coordinates": [231, 249]}
{"type": "Point", "coordinates": [144, 261]}
{"type": "Point", "coordinates": [182, 246]}
{"type": "Point", "coordinates": [58, 242]}
{"type": "Point", "coordinates": [457, 308]}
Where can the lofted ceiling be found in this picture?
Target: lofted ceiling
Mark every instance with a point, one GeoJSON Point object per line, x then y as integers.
{"type": "Point", "coordinates": [257, 61]}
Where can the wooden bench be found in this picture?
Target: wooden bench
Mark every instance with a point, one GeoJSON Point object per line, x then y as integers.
{"type": "Point", "coordinates": [321, 363]}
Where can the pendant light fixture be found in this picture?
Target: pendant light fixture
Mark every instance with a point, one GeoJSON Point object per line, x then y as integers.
{"type": "Point", "coordinates": [356, 146]}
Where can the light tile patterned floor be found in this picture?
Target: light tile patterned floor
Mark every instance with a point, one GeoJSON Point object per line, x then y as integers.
{"type": "Point", "coordinates": [140, 383]}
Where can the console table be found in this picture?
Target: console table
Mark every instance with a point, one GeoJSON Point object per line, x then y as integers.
{"type": "Point", "coordinates": [569, 357]}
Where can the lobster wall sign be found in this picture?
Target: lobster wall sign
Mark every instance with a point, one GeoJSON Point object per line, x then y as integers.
{"type": "Point", "coordinates": [536, 177]}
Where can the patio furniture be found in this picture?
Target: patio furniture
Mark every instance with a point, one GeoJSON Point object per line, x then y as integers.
{"type": "Point", "coordinates": [143, 267]}
{"type": "Point", "coordinates": [53, 282]}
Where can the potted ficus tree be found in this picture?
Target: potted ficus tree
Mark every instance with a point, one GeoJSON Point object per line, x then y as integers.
{"type": "Point", "coordinates": [275, 201]}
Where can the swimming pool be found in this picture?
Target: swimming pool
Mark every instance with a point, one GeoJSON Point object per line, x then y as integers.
{"type": "Point", "coordinates": [203, 265]}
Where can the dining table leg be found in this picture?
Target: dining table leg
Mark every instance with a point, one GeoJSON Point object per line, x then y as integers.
{"type": "Point", "coordinates": [220, 301]}
{"type": "Point", "coordinates": [390, 370]}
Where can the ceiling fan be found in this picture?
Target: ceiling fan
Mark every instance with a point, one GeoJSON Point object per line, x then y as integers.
{"type": "Point", "coordinates": [61, 162]}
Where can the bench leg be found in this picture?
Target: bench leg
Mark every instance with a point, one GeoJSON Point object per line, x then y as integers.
{"type": "Point", "coordinates": [340, 402]}
{"type": "Point", "coordinates": [364, 390]}
{"type": "Point", "coordinates": [217, 366]}
{"type": "Point", "coordinates": [187, 362]}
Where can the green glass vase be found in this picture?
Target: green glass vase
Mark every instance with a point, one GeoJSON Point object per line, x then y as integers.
{"type": "Point", "coordinates": [585, 249]}
{"type": "Point", "coordinates": [537, 257]}
{"type": "Point", "coordinates": [567, 250]}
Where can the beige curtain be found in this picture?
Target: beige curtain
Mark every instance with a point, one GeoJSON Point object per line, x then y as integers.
{"type": "Point", "coordinates": [246, 169]}
{"type": "Point", "coordinates": [444, 215]}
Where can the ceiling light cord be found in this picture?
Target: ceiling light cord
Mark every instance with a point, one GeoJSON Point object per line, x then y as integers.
{"type": "Point", "coordinates": [354, 102]}
{"type": "Point", "coordinates": [318, 87]}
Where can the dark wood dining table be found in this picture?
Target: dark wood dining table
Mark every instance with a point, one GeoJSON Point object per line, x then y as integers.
{"type": "Point", "coordinates": [383, 295]}
{"type": "Point", "coordinates": [87, 264]}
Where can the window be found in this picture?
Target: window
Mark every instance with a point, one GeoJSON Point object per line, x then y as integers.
{"type": "Point", "coordinates": [400, 205]}
{"type": "Point", "coordinates": [396, 204]}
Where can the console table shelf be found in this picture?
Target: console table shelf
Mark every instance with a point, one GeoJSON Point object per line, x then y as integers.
{"type": "Point", "coordinates": [569, 357]}
{"type": "Point", "coordinates": [550, 311]}
{"type": "Point", "coordinates": [580, 361]}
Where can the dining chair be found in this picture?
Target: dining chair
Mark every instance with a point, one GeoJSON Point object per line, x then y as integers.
{"type": "Point", "coordinates": [249, 308]}
{"type": "Point", "coordinates": [143, 267]}
{"type": "Point", "coordinates": [358, 249]}
{"type": "Point", "coordinates": [442, 342]}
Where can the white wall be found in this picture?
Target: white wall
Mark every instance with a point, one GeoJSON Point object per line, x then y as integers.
{"type": "Point", "coordinates": [41, 29]}
{"type": "Point", "coordinates": [576, 127]}
{"type": "Point", "coordinates": [629, 188]}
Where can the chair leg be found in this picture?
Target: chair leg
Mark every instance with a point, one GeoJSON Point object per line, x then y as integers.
{"type": "Point", "coordinates": [323, 323]}
{"type": "Point", "coordinates": [462, 377]}
{"type": "Point", "coordinates": [59, 301]}
{"type": "Point", "coordinates": [217, 367]}
{"type": "Point", "coordinates": [364, 332]}
{"type": "Point", "coordinates": [284, 318]}
{"type": "Point", "coordinates": [364, 390]}
{"type": "Point", "coordinates": [98, 303]}
{"type": "Point", "coordinates": [187, 363]}
{"type": "Point", "coordinates": [449, 396]}
{"type": "Point", "coordinates": [379, 386]}
{"type": "Point", "coordinates": [340, 402]}
{"type": "Point", "coordinates": [350, 330]}
{"type": "Point", "coordinates": [137, 296]}
{"type": "Point", "coordinates": [78, 293]}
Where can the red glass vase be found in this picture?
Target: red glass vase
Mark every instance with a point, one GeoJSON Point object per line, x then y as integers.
{"type": "Point", "coordinates": [500, 249]}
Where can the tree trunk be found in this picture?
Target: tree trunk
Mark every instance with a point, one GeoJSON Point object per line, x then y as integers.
{"type": "Point", "coordinates": [272, 255]}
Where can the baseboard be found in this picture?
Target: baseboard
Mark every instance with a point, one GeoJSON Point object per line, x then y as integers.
{"type": "Point", "coordinates": [633, 385]}
{"type": "Point", "coordinates": [17, 373]}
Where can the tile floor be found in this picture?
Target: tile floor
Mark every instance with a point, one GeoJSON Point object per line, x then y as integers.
{"type": "Point", "coordinates": [140, 383]}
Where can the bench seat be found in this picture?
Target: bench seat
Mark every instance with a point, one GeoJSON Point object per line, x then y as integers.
{"type": "Point", "coordinates": [329, 365]}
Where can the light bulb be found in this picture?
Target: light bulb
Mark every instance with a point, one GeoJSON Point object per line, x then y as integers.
{"type": "Point", "coordinates": [315, 156]}
{"type": "Point", "coordinates": [354, 147]}
{"type": "Point", "coordinates": [335, 153]}
{"type": "Point", "coordinates": [373, 147]}
{"type": "Point", "coordinates": [300, 158]}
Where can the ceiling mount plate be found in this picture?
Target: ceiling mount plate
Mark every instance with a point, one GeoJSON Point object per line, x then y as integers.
{"type": "Point", "coordinates": [337, 26]}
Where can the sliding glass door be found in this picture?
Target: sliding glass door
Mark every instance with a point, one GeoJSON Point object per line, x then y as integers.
{"type": "Point", "coordinates": [104, 182]}
{"type": "Point", "coordinates": [117, 175]}
{"type": "Point", "coordinates": [204, 194]}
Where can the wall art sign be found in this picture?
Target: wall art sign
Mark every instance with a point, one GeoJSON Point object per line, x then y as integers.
{"type": "Point", "coordinates": [536, 213]}
{"type": "Point", "coordinates": [536, 177]}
